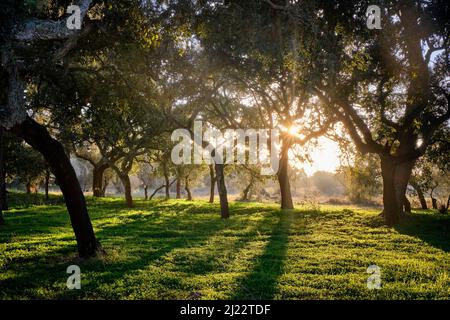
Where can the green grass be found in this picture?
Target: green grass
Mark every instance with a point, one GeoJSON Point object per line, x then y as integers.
{"type": "Point", "coordinates": [183, 250]}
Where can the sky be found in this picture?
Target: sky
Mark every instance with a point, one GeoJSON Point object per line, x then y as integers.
{"type": "Point", "coordinates": [324, 157]}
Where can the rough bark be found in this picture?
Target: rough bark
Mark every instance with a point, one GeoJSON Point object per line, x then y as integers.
{"type": "Point", "coordinates": [283, 179]}
{"type": "Point", "coordinates": [407, 204]}
{"type": "Point", "coordinates": [212, 183]}
{"type": "Point", "coordinates": [246, 191]}
{"type": "Point", "coordinates": [166, 179]}
{"type": "Point", "coordinates": [433, 200]}
{"type": "Point", "coordinates": [188, 189]}
{"type": "Point", "coordinates": [178, 188]}
{"type": "Point", "coordinates": [222, 189]}
{"type": "Point", "coordinates": [423, 202]}
{"type": "Point", "coordinates": [145, 193]}
{"type": "Point", "coordinates": [125, 179]}
{"type": "Point", "coordinates": [434, 203]}
{"type": "Point", "coordinates": [46, 183]}
{"type": "Point", "coordinates": [2, 180]}
{"type": "Point", "coordinates": [395, 181]}
{"type": "Point", "coordinates": [98, 189]}
{"type": "Point", "coordinates": [28, 187]}
{"type": "Point", "coordinates": [39, 138]}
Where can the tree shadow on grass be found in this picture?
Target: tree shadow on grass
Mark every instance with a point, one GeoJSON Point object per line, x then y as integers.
{"type": "Point", "coordinates": [141, 240]}
{"type": "Point", "coordinates": [434, 229]}
{"type": "Point", "coordinates": [261, 281]}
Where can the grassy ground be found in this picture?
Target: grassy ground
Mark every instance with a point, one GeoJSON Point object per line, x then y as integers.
{"type": "Point", "coordinates": [183, 250]}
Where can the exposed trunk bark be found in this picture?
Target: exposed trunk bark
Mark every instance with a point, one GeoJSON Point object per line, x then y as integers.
{"type": "Point", "coordinates": [444, 208]}
{"type": "Point", "coordinates": [145, 193]}
{"type": "Point", "coordinates": [28, 187]}
{"type": "Point", "coordinates": [38, 137]}
{"type": "Point", "coordinates": [434, 203]}
{"type": "Point", "coordinates": [246, 191]}
{"type": "Point", "coordinates": [178, 188]}
{"type": "Point", "coordinates": [104, 186]}
{"type": "Point", "coordinates": [3, 205]}
{"type": "Point", "coordinates": [188, 189]}
{"type": "Point", "coordinates": [159, 188]}
{"type": "Point", "coordinates": [3, 191]}
{"type": "Point", "coordinates": [212, 178]}
{"type": "Point", "coordinates": [125, 178]}
{"type": "Point", "coordinates": [433, 199]}
{"type": "Point", "coordinates": [395, 181]}
{"type": "Point", "coordinates": [98, 188]}
{"type": "Point", "coordinates": [283, 178]}
{"type": "Point", "coordinates": [166, 179]}
{"type": "Point", "coordinates": [423, 202]}
{"type": "Point", "coordinates": [407, 204]}
{"type": "Point", "coordinates": [222, 189]}
{"type": "Point", "coordinates": [46, 183]}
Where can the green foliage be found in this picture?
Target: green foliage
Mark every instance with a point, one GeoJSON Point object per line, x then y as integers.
{"type": "Point", "coordinates": [22, 162]}
{"type": "Point", "coordinates": [178, 249]}
{"type": "Point", "coordinates": [361, 179]}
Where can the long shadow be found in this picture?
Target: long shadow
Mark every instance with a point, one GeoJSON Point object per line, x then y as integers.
{"type": "Point", "coordinates": [434, 229]}
{"type": "Point", "coordinates": [144, 239]}
{"type": "Point", "coordinates": [260, 282]}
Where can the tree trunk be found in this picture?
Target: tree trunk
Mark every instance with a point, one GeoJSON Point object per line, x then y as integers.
{"type": "Point", "coordinates": [433, 200]}
{"type": "Point", "coordinates": [38, 137]}
{"type": "Point", "coordinates": [434, 203]}
{"type": "Point", "coordinates": [97, 180]}
{"type": "Point", "coordinates": [28, 187]}
{"type": "Point", "coordinates": [46, 183]}
{"type": "Point", "coordinates": [166, 178]}
{"type": "Point", "coordinates": [395, 181]}
{"type": "Point", "coordinates": [125, 178]}
{"type": "Point", "coordinates": [145, 193]}
{"type": "Point", "coordinates": [222, 189]}
{"type": "Point", "coordinates": [212, 178]}
{"type": "Point", "coordinates": [188, 190]}
{"type": "Point", "coordinates": [407, 204]}
{"type": "Point", "coordinates": [178, 188]}
{"type": "Point", "coordinates": [104, 186]}
{"type": "Point", "coordinates": [283, 178]}
{"type": "Point", "coordinates": [423, 202]}
{"type": "Point", "coordinates": [246, 191]}
{"type": "Point", "coordinates": [3, 205]}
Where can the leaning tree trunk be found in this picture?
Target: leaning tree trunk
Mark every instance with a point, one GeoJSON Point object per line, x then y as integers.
{"type": "Point", "coordinates": [97, 180]}
{"type": "Point", "coordinates": [395, 181]}
{"type": "Point", "coordinates": [423, 202]}
{"type": "Point", "coordinates": [188, 190]}
{"type": "Point", "coordinates": [246, 191]}
{"type": "Point", "coordinates": [38, 137]}
{"type": "Point", "coordinates": [125, 178]}
{"type": "Point", "coordinates": [283, 179]}
{"type": "Point", "coordinates": [212, 178]}
{"type": "Point", "coordinates": [222, 189]}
